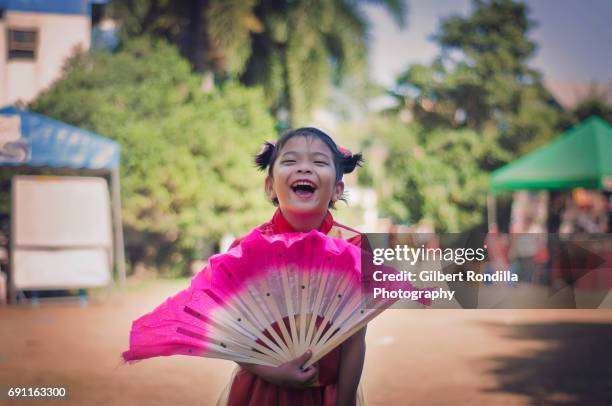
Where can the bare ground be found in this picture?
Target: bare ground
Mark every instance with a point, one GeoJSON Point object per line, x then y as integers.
{"type": "Point", "coordinates": [433, 357]}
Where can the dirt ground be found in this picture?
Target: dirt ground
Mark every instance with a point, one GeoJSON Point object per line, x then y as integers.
{"type": "Point", "coordinates": [424, 357]}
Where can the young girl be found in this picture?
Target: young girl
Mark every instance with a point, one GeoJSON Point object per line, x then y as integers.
{"type": "Point", "coordinates": [305, 169]}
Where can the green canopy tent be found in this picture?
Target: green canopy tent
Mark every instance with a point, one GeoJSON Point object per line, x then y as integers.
{"type": "Point", "coordinates": [580, 157]}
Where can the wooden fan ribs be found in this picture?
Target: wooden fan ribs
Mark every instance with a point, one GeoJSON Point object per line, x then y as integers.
{"type": "Point", "coordinates": [238, 325]}
{"type": "Point", "coordinates": [241, 323]}
{"type": "Point", "coordinates": [250, 308]}
{"type": "Point", "coordinates": [230, 330]}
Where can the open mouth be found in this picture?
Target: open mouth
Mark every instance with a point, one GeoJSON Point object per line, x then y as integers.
{"type": "Point", "coordinates": [303, 188]}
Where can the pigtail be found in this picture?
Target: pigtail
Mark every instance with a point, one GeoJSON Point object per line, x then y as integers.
{"type": "Point", "coordinates": [351, 161]}
{"type": "Point", "coordinates": [262, 159]}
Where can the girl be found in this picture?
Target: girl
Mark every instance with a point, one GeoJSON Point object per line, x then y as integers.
{"type": "Point", "coordinates": [305, 169]}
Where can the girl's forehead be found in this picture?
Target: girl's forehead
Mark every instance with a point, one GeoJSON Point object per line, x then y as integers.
{"type": "Point", "coordinates": [305, 144]}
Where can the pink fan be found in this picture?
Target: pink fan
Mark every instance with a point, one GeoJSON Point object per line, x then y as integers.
{"type": "Point", "coordinates": [264, 302]}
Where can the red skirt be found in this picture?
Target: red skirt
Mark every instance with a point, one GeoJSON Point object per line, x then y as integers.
{"type": "Point", "coordinates": [249, 389]}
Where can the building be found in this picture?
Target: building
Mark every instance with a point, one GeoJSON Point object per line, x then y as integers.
{"type": "Point", "coordinates": [36, 38]}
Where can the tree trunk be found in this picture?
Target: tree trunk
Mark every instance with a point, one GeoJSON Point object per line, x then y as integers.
{"type": "Point", "coordinates": [200, 45]}
{"type": "Point", "coordinates": [287, 89]}
{"type": "Point", "coordinates": [198, 37]}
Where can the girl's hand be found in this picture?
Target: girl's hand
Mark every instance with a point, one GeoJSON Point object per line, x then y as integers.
{"type": "Point", "coordinates": [289, 374]}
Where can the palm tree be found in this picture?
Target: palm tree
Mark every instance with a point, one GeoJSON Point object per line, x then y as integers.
{"type": "Point", "coordinates": [305, 48]}
{"type": "Point", "coordinates": [296, 49]}
{"type": "Point", "coordinates": [213, 34]}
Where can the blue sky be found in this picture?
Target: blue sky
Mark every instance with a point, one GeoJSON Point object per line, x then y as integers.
{"type": "Point", "coordinates": [574, 38]}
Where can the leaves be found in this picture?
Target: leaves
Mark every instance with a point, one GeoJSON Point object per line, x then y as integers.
{"type": "Point", "coordinates": [429, 175]}
{"type": "Point", "coordinates": [297, 50]}
{"type": "Point", "coordinates": [186, 166]}
{"type": "Point", "coordinates": [476, 107]}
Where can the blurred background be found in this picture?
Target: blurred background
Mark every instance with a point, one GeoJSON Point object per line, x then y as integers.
{"type": "Point", "coordinates": [126, 145]}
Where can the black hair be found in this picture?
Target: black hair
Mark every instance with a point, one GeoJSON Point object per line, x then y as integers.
{"type": "Point", "coordinates": [344, 161]}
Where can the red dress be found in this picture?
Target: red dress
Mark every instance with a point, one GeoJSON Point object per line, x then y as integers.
{"type": "Point", "coordinates": [249, 389]}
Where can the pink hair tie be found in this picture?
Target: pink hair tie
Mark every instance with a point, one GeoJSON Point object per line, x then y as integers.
{"type": "Point", "coordinates": [345, 152]}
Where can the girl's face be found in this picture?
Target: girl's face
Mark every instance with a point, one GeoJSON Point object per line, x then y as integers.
{"type": "Point", "coordinates": [304, 177]}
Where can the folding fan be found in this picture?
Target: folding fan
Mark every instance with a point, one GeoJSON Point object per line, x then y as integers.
{"type": "Point", "coordinates": [264, 302]}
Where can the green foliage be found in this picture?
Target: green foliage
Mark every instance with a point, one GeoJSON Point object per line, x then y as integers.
{"type": "Point", "coordinates": [186, 170]}
{"type": "Point", "coordinates": [477, 106]}
{"type": "Point", "coordinates": [482, 81]}
{"type": "Point", "coordinates": [212, 34]}
{"type": "Point", "coordinates": [597, 103]}
{"type": "Point", "coordinates": [429, 175]}
{"type": "Point", "coordinates": [304, 44]}
{"type": "Point", "coordinates": [594, 105]}
{"type": "Point", "coordinates": [296, 49]}
{"type": "Point", "coordinates": [305, 48]}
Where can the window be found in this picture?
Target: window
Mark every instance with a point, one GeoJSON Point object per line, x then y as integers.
{"type": "Point", "coordinates": [22, 43]}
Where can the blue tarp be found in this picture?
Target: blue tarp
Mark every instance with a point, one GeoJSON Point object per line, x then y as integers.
{"type": "Point", "coordinates": [78, 7]}
{"type": "Point", "coordinates": [31, 139]}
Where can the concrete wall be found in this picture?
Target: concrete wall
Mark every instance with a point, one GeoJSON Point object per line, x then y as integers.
{"type": "Point", "coordinates": [58, 37]}
{"type": "Point", "coordinates": [3, 87]}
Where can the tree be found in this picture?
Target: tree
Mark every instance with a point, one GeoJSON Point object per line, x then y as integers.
{"type": "Point", "coordinates": [305, 48]}
{"type": "Point", "coordinates": [482, 81]}
{"type": "Point", "coordinates": [296, 49]}
{"type": "Point", "coordinates": [477, 106]}
{"type": "Point", "coordinates": [596, 104]}
{"type": "Point", "coordinates": [212, 34]}
{"type": "Point", "coordinates": [186, 164]}
{"type": "Point", "coordinates": [426, 175]}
